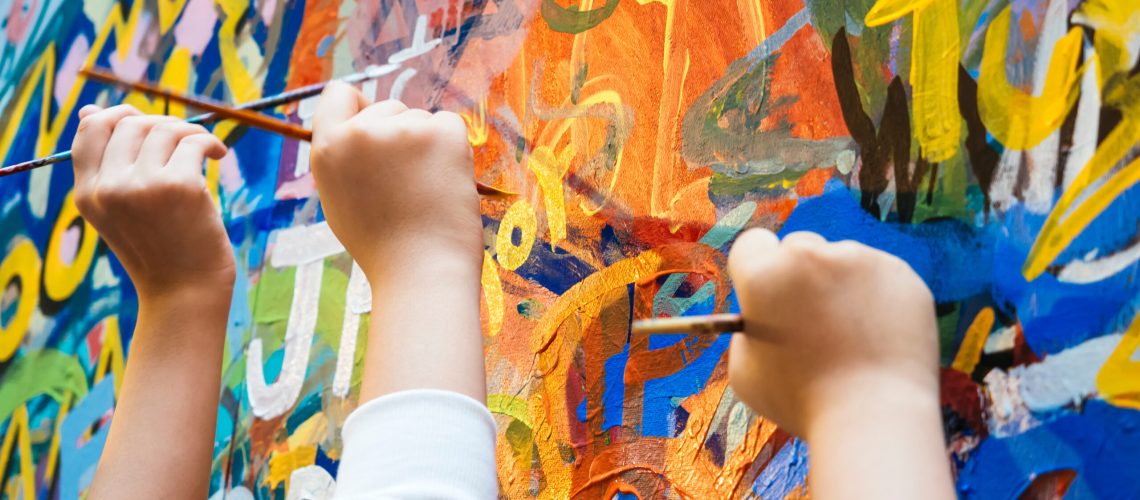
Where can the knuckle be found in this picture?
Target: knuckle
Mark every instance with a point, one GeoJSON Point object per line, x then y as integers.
{"type": "Point", "coordinates": [128, 108]}
{"type": "Point", "coordinates": [169, 128]}
{"type": "Point", "coordinates": [97, 122]}
{"type": "Point", "coordinates": [802, 249]}
{"type": "Point", "coordinates": [452, 123]}
{"type": "Point", "coordinates": [110, 195]}
{"type": "Point", "coordinates": [450, 118]}
{"type": "Point", "coordinates": [849, 252]}
{"type": "Point", "coordinates": [83, 201]}
{"type": "Point", "coordinates": [197, 140]}
{"type": "Point", "coordinates": [355, 131]}
{"type": "Point", "coordinates": [132, 123]}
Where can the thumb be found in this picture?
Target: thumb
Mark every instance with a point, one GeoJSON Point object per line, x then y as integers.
{"type": "Point", "coordinates": [753, 266]}
{"type": "Point", "coordinates": [339, 102]}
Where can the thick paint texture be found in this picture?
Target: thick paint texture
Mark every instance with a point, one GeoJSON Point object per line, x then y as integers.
{"type": "Point", "coordinates": [991, 145]}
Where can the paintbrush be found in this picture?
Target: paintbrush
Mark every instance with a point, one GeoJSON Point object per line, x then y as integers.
{"type": "Point", "coordinates": [713, 324]}
{"type": "Point", "coordinates": [217, 111]}
{"type": "Point", "coordinates": [264, 103]}
{"type": "Point", "coordinates": [244, 116]}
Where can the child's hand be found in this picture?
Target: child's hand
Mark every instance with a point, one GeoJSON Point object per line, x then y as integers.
{"type": "Point", "coordinates": [397, 184]}
{"type": "Point", "coordinates": [833, 329]}
{"type": "Point", "coordinates": [138, 181]}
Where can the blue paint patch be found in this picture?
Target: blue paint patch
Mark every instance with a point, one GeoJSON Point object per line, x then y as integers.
{"type": "Point", "coordinates": [259, 156]}
{"type": "Point", "coordinates": [787, 471]}
{"type": "Point", "coordinates": [77, 463]}
{"type": "Point", "coordinates": [325, 462]}
{"type": "Point", "coordinates": [1098, 443]}
{"type": "Point", "coordinates": [613, 399]}
{"type": "Point", "coordinates": [947, 254]}
{"type": "Point", "coordinates": [303, 411]}
{"type": "Point", "coordinates": [324, 46]}
{"type": "Point", "coordinates": [241, 313]}
{"type": "Point", "coordinates": [223, 431]}
{"type": "Point", "coordinates": [691, 379]}
{"type": "Point", "coordinates": [958, 262]}
{"type": "Point", "coordinates": [272, 367]}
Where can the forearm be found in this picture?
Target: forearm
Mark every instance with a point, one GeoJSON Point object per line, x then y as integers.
{"type": "Point", "coordinates": [161, 440]}
{"type": "Point", "coordinates": [424, 331]}
{"type": "Point", "coordinates": [885, 445]}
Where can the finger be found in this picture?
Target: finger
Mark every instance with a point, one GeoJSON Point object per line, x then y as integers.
{"type": "Point", "coordinates": [416, 114]}
{"type": "Point", "coordinates": [751, 265]}
{"type": "Point", "coordinates": [161, 141]}
{"type": "Point", "coordinates": [339, 102]}
{"type": "Point", "coordinates": [88, 110]}
{"type": "Point", "coordinates": [453, 123]}
{"type": "Point", "coordinates": [383, 110]}
{"type": "Point", "coordinates": [192, 151]}
{"type": "Point", "coordinates": [804, 239]}
{"type": "Point", "coordinates": [751, 246]}
{"type": "Point", "coordinates": [91, 138]}
{"type": "Point", "coordinates": [123, 148]}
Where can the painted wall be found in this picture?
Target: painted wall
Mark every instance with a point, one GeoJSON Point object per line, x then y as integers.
{"type": "Point", "coordinates": [990, 144]}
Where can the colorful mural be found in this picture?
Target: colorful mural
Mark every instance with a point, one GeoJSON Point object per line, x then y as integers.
{"type": "Point", "coordinates": [992, 144]}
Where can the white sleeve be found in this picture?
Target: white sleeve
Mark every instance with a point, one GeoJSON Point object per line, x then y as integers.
{"type": "Point", "coordinates": [421, 443]}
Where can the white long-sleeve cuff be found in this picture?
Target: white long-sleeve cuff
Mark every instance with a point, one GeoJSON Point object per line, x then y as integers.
{"type": "Point", "coordinates": [421, 443]}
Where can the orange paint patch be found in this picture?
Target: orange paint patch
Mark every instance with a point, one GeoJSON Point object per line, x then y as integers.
{"type": "Point", "coordinates": [813, 182]}
{"type": "Point", "coordinates": [306, 67]}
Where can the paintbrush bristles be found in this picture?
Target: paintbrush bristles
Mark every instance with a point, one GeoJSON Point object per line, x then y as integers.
{"type": "Point", "coordinates": [708, 325]}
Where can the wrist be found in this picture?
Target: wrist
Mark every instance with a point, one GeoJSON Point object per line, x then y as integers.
{"type": "Point", "coordinates": [179, 296]}
{"type": "Point", "coordinates": [880, 441]}
{"type": "Point", "coordinates": [416, 265]}
{"type": "Point", "coordinates": [181, 327]}
{"type": "Point", "coordinates": [872, 400]}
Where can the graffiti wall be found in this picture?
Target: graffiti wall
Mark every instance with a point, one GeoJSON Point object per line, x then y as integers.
{"type": "Point", "coordinates": [991, 144]}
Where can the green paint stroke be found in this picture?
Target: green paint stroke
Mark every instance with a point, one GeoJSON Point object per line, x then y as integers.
{"type": "Point", "coordinates": [47, 372]}
{"type": "Point", "coordinates": [273, 295]}
{"type": "Point", "coordinates": [330, 312]}
{"type": "Point", "coordinates": [574, 21]}
{"type": "Point", "coordinates": [511, 406]}
{"type": "Point", "coordinates": [273, 298]}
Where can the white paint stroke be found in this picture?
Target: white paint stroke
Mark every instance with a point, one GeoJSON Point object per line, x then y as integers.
{"type": "Point", "coordinates": [310, 483]}
{"type": "Point", "coordinates": [103, 276]}
{"type": "Point", "coordinates": [1042, 159]}
{"type": "Point", "coordinates": [269, 401]}
{"type": "Point", "coordinates": [359, 299]}
{"type": "Point", "coordinates": [1006, 415]}
{"type": "Point", "coordinates": [306, 109]}
{"type": "Point", "coordinates": [38, 187]}
{"type": "Point", "coordinates": [401, 83]}
{"type": "Point", "coordinates": [346, 353]}
{"type": "Point", "coordinates": [1005, 177]}
{"type": "Point", "coordinates": [1067, 377]}
{"type": "Point", "coordinates": [1088, 121]}
{"type": "Point", "coordinates": [304, 244]}
{"type": "Point", "coordinates": [1001, 340]}
{"type": "Point", "coordinates": [1092, 269]}
{"type": "Point", "coordinates": [238, 493]}
{"type": "Point", "coordinates": [420, 44]}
